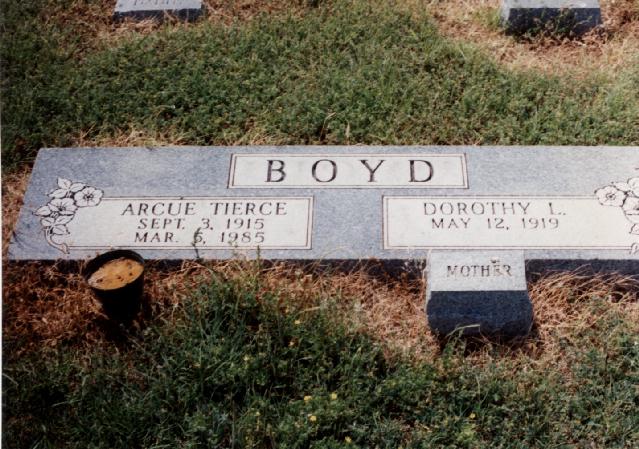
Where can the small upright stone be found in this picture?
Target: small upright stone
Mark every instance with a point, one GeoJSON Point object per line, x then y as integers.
{"type": "Point", "coordinates": [478, 293]}
{"type": "Point", "coordinates": [146, 9]}
{"type": "Point", "coordinates": [564, 16]}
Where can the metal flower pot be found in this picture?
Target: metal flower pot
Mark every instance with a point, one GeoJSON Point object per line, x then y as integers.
{"type": "Point", "coordinates": [117, 280]}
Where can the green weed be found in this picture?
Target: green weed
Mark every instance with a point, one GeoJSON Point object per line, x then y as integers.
{"type": "Point", "coordinates": [349, 72]}
{"type": "Point", "coordinates": [232, 370]}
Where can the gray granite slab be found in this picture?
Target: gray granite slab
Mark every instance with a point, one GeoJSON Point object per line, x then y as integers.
{"type": "Point", "coordinates": [478, 292]}
{"type": "Point", "coordinates": [568, 16]}
{"type": "Point", "coordinates": [553, 203]}
{"type": "Point", "coordinates": [549, 206]}
{"type": "Point", "coordinates": [145, 9]}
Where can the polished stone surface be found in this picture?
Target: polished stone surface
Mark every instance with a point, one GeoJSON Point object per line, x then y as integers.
{"type": "Point", "coordinates": [554, 203]}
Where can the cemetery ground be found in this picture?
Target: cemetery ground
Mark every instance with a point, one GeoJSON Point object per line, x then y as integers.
{"type": "Point", "coordinates": [247, 354]}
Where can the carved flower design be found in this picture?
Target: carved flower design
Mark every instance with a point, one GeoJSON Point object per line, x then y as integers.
{"type": "Point", "coordinates": [623, 186]}
{"type": "Point", "coordinates": [624, 195]}
{"type": "Point", "coordinates": [63, 206]}
{"type": "Point", "coordinates": [66, 199]}
{"type": "Point", "coordinates": [631, 208]}
{"type": "Point", "coordinates": [89, 196]}
{"type": "Point", "coordinates": [57, 225]}
{"type": "Point", "coordinates": [66, 188]}
{"type": "Point", "coordinates": [43, 211]}
{"type": "Point", "coordinates": [611, 196]}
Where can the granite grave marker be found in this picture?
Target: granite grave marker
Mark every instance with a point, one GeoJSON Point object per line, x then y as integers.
{"type": "Point", "coordinates": [480, 216]}
{"type": "Point", "coordinates": [567, 16]}
{"type": "Point", "coordinates": [157, 9]}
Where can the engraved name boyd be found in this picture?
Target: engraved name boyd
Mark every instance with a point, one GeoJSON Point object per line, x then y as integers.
{"type": "Point", "coordinates": [348, 170]}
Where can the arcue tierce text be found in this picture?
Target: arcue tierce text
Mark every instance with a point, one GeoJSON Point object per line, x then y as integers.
{"type": "Point", "coordinates": [242, 221]}
{"type": "Point", "coordinates": [177, 208]}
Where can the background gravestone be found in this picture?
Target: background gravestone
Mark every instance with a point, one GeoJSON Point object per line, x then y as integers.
{"type": "Point", "coordinates": [157, 9]}
{"type": "Point", "coordinates": [563, 16]}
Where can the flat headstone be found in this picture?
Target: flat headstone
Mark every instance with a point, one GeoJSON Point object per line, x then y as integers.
{"type": "Point", "coordinates": [566, 16]}
{"type": "Point", "coordinates": [145, 9]}
{"type": "Point", "coordinates": [478, 292]}
{"type": "Point", "coordinates": [543, 205]}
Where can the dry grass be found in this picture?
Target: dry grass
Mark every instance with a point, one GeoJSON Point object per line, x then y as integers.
{"type": "Point", "coordinates": [389, 309]}
{"type": "Point", "coordinates": [13, 187]}
{"type": "Point", "coordinates": [168, 137]}
{"type": "Point", "coordinates": [45, 305]}
{"type": "Point", "coordinates": [48, 304]}
{"type": "Point", "coordinates": [575, 313]}
{"type": "Point", "coordinates": [559, 300]}
{"type": "Point", "coordinates": [568, 305]}
{"type": "Point", "coordinates": [604, 52]}
{"type": "Point", "coordinates": [244, 10]}
{"type": "Point", "coordinates": [218, 12]}
{"type": "Point", "coordinates": [129, 138]}
{"type": "Point", "coordinates": [92, 21]}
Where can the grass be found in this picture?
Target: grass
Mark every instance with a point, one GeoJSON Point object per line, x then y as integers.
{"type": "Point", "coordinates": [234, 367]}
{"type": "Point", "coordinates": [282, 357]}
{"type": "Point", "coordinates": [346, 72]}
{"type": "Point", "coordinates": [604, 53]}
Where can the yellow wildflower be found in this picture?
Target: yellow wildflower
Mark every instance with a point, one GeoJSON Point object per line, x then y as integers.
{"type": "Point", "coordinates": [313, 418]}
{"type": "Point", "coordinates": [307, 398]}
{"type": "Point", "coordinates": [348, 440]}
{"type": "Point", "coordinates": [472, 416]}
{"type": "Point", "coordinates": [298, 322]}
{"type": "Point", "coordinates": [333, 396]}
